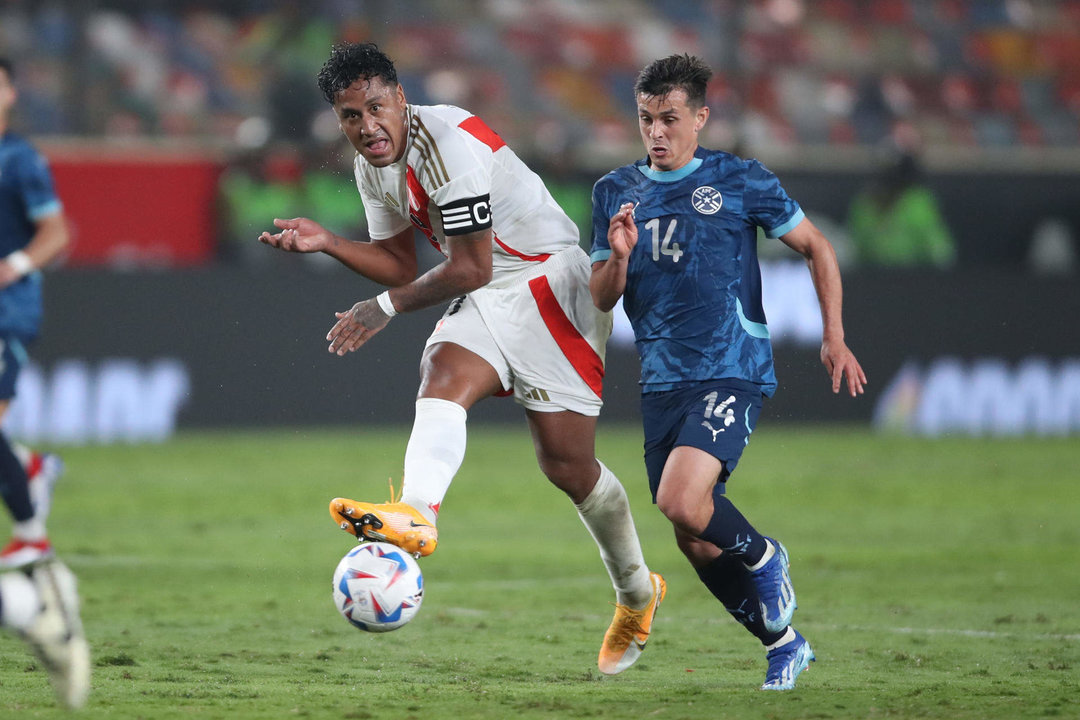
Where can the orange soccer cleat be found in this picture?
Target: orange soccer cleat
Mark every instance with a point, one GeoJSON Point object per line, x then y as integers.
{"type": "Point", "coordinates": [629, 631]}
{"type": "Point", "coordinates": [395, 522]}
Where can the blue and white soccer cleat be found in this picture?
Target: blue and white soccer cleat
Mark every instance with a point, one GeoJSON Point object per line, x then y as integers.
{"type": "Point", "coordinates": [774, 587]}
{"type": "Point", "coordinates": [786, 662]}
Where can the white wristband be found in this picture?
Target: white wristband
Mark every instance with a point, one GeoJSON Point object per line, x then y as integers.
{"type": "Point", "coordinates": [384, 302]}
{"type": "Point", "coordinates": [20, 262]}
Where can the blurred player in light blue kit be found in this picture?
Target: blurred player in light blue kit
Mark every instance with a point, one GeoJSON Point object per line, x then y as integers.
{"type": "Point", "coordinates": [32, 233]}
{"type": "Point", "coordinates": [674, 235]}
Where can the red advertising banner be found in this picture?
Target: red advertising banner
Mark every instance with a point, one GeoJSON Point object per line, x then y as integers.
{"type": "Point", "coordinates": [134, 209]}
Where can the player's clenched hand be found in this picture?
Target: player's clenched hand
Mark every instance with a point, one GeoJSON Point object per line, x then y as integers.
{"type": "Point", "coordinates": [298, 235]}
{"type": "Point", "coordinates": [622, 232]}
{"type": "Point", "coordinates": [356, 326]}
{"type": "Point", "coordinates": [840, 361]}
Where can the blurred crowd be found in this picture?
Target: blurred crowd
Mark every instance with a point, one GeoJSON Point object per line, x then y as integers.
{"type": "Point", "coordinates": [554, 76]}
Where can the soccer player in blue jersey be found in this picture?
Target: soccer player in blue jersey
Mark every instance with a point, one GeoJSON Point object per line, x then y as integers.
{"type": "Point", "coordinates": [32, 233]}
{"type": "Point", "coordinates": [674, 235]}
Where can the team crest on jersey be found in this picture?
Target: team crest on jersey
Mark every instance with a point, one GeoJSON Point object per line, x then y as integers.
{"type": "Point", "coordinates": [707, 200]}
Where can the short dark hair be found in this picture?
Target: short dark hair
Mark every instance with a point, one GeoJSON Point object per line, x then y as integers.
{"type": "Point", "coordinates": [351, 61]}
{"type": "Point", "coordinates": [687, 72]}
{"type": "Point", "coordinates": [6, 66]}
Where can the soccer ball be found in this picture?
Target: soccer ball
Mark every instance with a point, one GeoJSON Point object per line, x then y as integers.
{"type": "Point", "coordinates": [378, 587]}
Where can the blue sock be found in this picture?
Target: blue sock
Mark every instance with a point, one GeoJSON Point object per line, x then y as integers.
{"type": "Point", "coordinates": [728, 579]}
{"type": "Point", "coordinates": [14, 485]}
{"type": "Point", "coordinates": [731, 532]}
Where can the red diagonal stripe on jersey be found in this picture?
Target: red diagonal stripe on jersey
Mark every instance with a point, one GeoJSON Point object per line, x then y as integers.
{"type": "Point", "coordinates": [530, 258]}
{"type": "Point", "coordinates": [418, 207]}
{"type": "Point", "coordinates": [576, 348]}
{"type": "Point", "coordinates": [480, 130]}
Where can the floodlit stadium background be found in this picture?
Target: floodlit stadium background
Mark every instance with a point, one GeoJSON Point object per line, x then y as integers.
{"type": "Point", "coordinates": [178, 130]}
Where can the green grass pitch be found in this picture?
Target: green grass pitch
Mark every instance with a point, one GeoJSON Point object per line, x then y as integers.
{"type": "Point", "coordinates": [936, 579]}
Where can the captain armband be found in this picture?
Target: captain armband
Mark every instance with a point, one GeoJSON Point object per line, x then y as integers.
{"type": "Point", "coordinates": [466, 216]}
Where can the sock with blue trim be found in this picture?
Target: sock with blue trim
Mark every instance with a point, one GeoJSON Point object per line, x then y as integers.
{"type": "Point", "coordinates": [729, 581]}
{"type": "Point", "coordinates": [733, 533]}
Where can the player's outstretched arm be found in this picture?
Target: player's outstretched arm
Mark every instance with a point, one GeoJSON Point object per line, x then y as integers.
{"type": "Point", "coordinates": [391, 261]}
{"type": "Point", "coordinates": [608, 279]}
{"type": "Point", "coordinates": [839, 361]}
{"type": "Point", "coordinates": [468, 267]}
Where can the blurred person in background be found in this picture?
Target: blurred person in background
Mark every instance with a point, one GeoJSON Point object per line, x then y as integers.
{"type": "Point", "coordinates": [520, 320]}
{"type": "Point", "coordinates": [896, 222]}
{"type": "Point", "coordinates": [33, 232]}
{"type": "Point", "coordinates": [692, 291]}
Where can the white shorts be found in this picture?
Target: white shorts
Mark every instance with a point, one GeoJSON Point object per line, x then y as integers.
{"type": "Point", "coordinates": [540, 331]}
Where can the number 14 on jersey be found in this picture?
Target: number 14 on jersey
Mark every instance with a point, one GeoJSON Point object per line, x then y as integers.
{"type": "Point", "coordinates": [665, 246]}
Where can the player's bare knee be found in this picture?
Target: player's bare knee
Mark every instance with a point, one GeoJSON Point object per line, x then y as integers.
{"type": "Point", "coordinates": [675, 507]}
{"type": "Point", "coordinates": [574, 478]}
{"type": "Point", "coordinates": [671, 505]}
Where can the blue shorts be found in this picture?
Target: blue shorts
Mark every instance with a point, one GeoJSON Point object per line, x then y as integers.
{"type": "Point", "coordinates": [716, 416]}
{"type": "Point", "coordinates": [12, 360]}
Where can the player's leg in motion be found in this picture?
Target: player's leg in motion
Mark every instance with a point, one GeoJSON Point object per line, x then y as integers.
{"type": "Point", "coordinates": [690, 496]}
{"type": "Point", "coordinates": [730, 582]}
{"type": "Point", "coordinates": [29, 542]}
{"type": "Point", "coordinates": [42, 472]}
{"type": "Point", "coordinates": [42, 606]}
{"type": "Point", "coordinates": [565, 450]}
{"type": "Point", "coordinates": [453, 379]}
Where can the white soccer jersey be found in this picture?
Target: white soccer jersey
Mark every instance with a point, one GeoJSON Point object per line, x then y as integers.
{"type": "Point", "coordinates": [458, 176]}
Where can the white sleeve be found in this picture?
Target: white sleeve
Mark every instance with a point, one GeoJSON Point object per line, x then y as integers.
{"type": "Point", "coordinates": [465, 200]}
{"type": "Point", "coordinates": [382, 222]}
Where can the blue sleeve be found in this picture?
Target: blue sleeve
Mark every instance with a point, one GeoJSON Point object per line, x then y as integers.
{"type": "Point", "coordinates": [36, 184]}
{"type": "Point", "coordinates": [601, 218]}
{"type": "Point", "coordinates": [767, 204]}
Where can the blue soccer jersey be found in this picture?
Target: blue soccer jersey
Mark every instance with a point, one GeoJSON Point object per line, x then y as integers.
{"type": "Point", "coordinates": [693, 286]}
{"type": "Point", "coordinates": [26, 195]}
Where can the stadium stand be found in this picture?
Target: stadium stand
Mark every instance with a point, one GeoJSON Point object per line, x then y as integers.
{"type": "Point", "coordinates": [551, 74]}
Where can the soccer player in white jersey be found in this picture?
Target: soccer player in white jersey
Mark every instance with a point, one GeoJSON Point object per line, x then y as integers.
{"type": "Point", "coordinates": [521, 319]}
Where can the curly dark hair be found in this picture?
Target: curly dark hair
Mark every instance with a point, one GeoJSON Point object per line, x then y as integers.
{"type": "Point", "coordinates": [351, 61]}
{"type": "Point", "coordinates": [687, 72]}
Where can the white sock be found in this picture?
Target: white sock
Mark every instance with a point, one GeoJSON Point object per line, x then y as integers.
{"type": "Point", "coordinates": [19, 601]}
{"type": "Point", "coordinates": [31, 530]}
{"type": "Point", "coordinates": [433, 455]}
{"type": "Point", "coordinates": [769, 552]}
{"type": "Point", "coordinates": [788, 637]}
{"type": "Point", "coordinates": [22, 453]}
{"type": "Point", "coordinates": [606, 514]}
